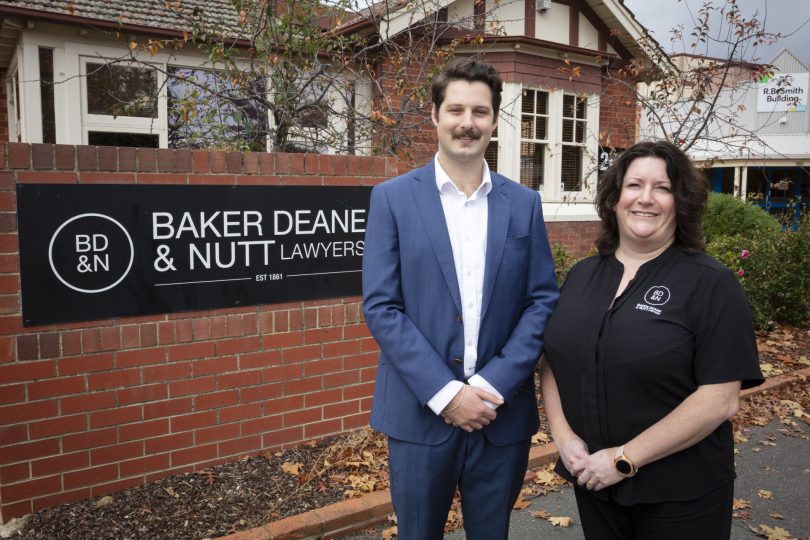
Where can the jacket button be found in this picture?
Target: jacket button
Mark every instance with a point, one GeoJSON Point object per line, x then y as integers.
{"type": "Point", "coordinates": [458, 318]}
{"type": "Point", "coordinates": [458, 361]}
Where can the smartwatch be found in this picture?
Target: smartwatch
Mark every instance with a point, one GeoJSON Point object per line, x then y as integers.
{"type": "Point", "coordinates": [623, 465]}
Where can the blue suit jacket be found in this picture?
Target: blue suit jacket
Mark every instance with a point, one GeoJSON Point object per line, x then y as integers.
{"type": "Point", "coordinates": [412, 306]}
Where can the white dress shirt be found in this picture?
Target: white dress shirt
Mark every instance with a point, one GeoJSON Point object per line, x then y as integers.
{"type": "Point", "coordinates": [466, 219]}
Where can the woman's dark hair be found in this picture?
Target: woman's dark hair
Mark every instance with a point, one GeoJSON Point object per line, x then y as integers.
{"type": "Point", "coordinates": [466, 69]}
{"type": "Point", "coordinates": [689, 187]}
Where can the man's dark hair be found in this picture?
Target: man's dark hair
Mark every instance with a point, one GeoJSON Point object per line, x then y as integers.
{"type": "Point", "coordinates": [467, 69]}
{"type": "Point", "coordinates": [689, 187]}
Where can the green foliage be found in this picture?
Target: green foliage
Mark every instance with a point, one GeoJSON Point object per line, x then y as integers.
{"type": "Point", "coordinates": [772, 268]}
{"type": "Point", "coordinates": [563, 261]}
{"type": "Point", "coordinates": [727, 215]}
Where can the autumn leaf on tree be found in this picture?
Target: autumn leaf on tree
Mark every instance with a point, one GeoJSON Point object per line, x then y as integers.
{"type": "Point", "coordinates": [292, 468]}
{"type": "Point", "coordinates": [561, 521]}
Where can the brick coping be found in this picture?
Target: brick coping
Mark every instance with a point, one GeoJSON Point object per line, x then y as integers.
{"type": "Point", "coordinates": [354, 514]}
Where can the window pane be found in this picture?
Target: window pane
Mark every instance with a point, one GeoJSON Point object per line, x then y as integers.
{"type": "Point", "coordinates": [105, 138]}
{"type": "Point", "coordinates": [572, 168]}
{"type": "Point", "coordinates": [526, 127]}
{"type": "Point", "coordinates": [568, 131]}
{"type": "Point", "coordinates": [581, 103]}
{"type": "Point", "coordinates": [208, 110]}
{"type": "Point", "coordinates": [527, 104]}
{"type": "Point", "coordinates": [580, 125]}
{"type": "Point", "coordinates": [542, 103]}
{"type": "Point", "coordinates": [540, 128]}
{"type": "Point", "coordinates": [531, 165]}
{"type": "Point", "coordinates": [121, 90]}
{"type": "Point", "coordinates": [491, 155]}
{"type": "Point", "coordinates": [46, 95]}
{"type": "Point", "coordinates": [568, 106]}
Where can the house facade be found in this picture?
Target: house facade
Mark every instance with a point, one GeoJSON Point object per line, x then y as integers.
{"type": "Point", "coordinates": [63, 60]}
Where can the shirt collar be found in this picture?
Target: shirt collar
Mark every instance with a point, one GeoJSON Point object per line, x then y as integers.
{"type": "Point", "coordinates": [442, 180]}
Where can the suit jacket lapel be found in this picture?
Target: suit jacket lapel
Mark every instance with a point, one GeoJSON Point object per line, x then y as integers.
{"type": "Point", "coordinates": [499, 208]}
{"type": "Point", "coordinates": [429, 208]}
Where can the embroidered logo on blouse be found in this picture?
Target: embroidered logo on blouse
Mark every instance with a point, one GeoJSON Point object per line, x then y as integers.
{"type": "Point", "coordinates": [657, 295]}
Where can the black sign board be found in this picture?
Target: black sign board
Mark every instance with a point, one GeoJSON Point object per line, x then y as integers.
{"type": "Point", "coordinates": [96, 251]}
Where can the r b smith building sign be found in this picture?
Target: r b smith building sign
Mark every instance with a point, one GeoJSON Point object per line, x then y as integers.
{"type": "Point", "coordinates": [97, 251]}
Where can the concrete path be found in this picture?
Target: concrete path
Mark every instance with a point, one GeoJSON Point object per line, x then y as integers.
{"type": "Point", "coordinates": [782, 469]}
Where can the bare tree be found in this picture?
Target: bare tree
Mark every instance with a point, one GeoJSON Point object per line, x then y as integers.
{"type": "Point", "coordinates": [312, 76]}
{"type": "Point", "coordinates": [697, 97]}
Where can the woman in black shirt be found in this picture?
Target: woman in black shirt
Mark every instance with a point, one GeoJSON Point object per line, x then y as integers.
{"type": "Point", "coordinates": [646, 353]}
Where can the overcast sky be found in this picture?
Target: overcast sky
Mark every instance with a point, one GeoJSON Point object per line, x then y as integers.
{"type": "Point", "coordinates": [779, 16]}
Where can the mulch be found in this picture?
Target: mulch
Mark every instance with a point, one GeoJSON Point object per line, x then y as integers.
{"type": "Point", "coordinates": [253, 491]}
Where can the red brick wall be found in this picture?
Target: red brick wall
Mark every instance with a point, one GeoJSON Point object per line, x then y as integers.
{"type": "Point", "coordinates": [94, 407]}
{"type": "Point", "coordinates": [618, 114]}
{"type": "Point", "coordinates": [578, 237]}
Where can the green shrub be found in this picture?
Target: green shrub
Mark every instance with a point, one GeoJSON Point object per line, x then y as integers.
{"type": "Point", "coordinates": [772, 268]}
{"type": "Point", "coordinates": [563, 261]}
{"type": "Point", "coordinates": [727, 215]}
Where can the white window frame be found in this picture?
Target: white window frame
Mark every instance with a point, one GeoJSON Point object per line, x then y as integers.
{"type": "Point", "coordinates": [532, 140]}
{"type": "Point", "coordinates": [583, 145]}
{"type": "Point", "coordinates": [13, 103]}
{"type": "Point", "coordinates": [125, 124]}
{"type": "Point", "coordinates": [509, 132]}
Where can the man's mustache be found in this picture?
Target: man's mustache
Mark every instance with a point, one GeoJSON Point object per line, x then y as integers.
{"type": "Point", "coordinates": [471, 133]}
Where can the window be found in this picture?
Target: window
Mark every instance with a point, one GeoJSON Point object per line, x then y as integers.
{"type": "Point", "coordinates": [491, 153]}
{"type": "Point", "coordinates": [574, 124]}
{"type": "Point", "coordinates": [46, 95]}
{"type": "Point", "coordinates": [122, 104]}
{"type": "Point", "coordinates": [533, 138]}
{"type": "Point", "coordinates": [114, 90]}
{"type": "Point", "coordinates": [206, 109]}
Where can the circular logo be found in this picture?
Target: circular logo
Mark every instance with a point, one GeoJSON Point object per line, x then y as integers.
{"type": "Point", "coordinates": [657, 295]}
{"type": "Point", "coordinates": [91, 253]}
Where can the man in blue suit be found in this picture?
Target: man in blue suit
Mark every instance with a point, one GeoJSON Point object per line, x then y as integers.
{"type": "Point", "coordinates": [458, 283]}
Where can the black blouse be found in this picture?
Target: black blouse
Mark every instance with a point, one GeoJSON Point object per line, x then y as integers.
{"type": "Point", "coordinates": [682, 322]}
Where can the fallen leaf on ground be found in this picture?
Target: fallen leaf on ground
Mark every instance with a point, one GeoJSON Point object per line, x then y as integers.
{"type": "Point", "coordinates": [292, 468]}
{"type": "Point", "coordinates": [561, 521]}
{"type": "Point", "coordinates": [764, 494]}
{"type": "Point", "coordinates": [540, 438]}
{"type": "Point", "coordinates": [777, 533]}
{"type": "Point", "coordinates": [776, 515]}
{"type": "Point", "coordinates": [768, 370]}
{"type": "Point", "coordinates": [521, 503]}
{"type": "Point", "coordinates": [389, 533]}
{"type": "Point", "coordinates": [545, 477]}
{"type": "Point", "coordinates": [740, 504]}
{"type": "Point", "coordinates": [540, 514]}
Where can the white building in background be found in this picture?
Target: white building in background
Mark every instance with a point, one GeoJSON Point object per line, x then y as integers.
{"type": "Point", "coordinates": [771, 169]}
